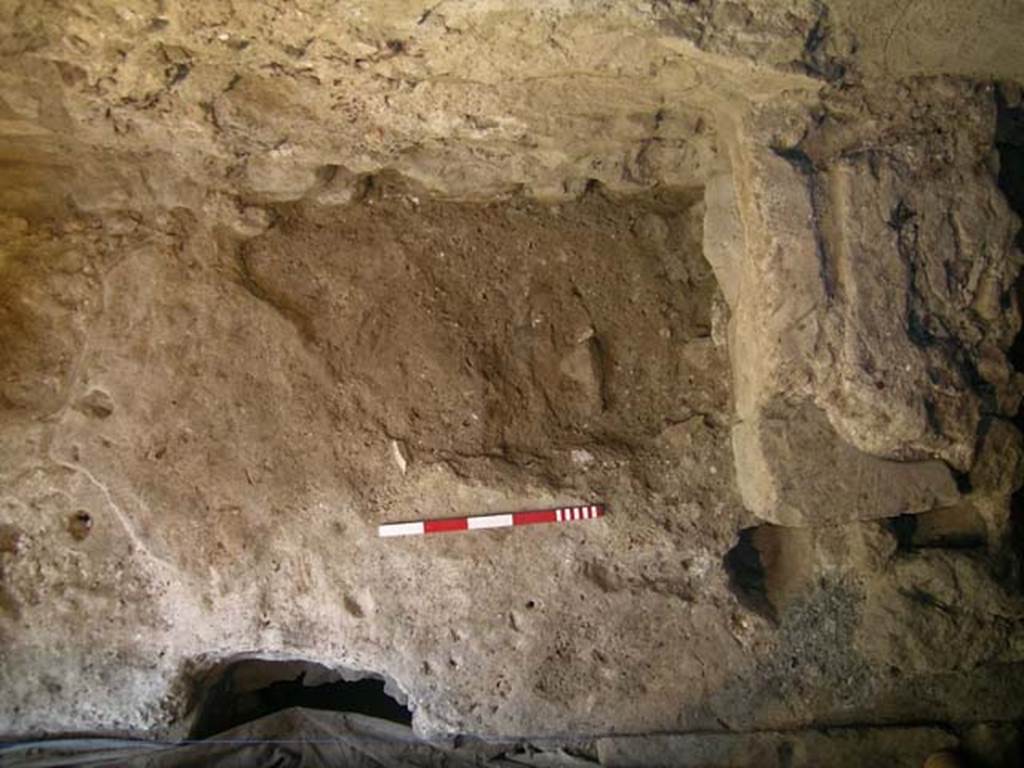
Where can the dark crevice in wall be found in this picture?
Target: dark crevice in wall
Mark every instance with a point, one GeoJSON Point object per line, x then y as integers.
{"type": "Point", "coordinates": [771, 568]}
{"type": "Point", "coordinates": [956, 528]}
{"type": "Point", "coordinates": [1009, 144]}
{"type": "Point", "coordinates": [747, 574]}
{"type": "Point", "coordinates": [903, 527]}
{"type": "Point", "coordinates": [249, 689]}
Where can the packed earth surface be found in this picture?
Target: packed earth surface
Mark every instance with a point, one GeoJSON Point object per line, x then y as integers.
{"type": "Point", "coordinates": [746, 273]}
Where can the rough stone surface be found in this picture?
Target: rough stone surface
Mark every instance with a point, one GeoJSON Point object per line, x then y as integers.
{"type": "Point", "coordinates": [896, 747]}
{"type": "Point", "coordinates": [273, 273]}
{"type": "Point", "coordinates": [814, 476]}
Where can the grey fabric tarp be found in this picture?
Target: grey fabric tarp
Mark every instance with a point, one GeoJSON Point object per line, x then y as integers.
{"type": "Point", "coordinates": [288, 739]}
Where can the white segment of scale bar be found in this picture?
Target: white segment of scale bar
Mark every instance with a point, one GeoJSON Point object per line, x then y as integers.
{"type": "Point", "coordinates": [401, 529]}
{"type": "Point", "coordinates": [489, 521]}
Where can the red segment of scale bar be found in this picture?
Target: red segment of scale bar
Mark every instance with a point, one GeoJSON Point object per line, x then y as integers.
{"type": "Point", "coordinates": [444, 526]}
{"type": "Point", "coordinates": [532, 518]}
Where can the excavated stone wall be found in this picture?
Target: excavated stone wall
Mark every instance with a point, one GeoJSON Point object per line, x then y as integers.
{"type": "Point", "coordinates": [274, 273]}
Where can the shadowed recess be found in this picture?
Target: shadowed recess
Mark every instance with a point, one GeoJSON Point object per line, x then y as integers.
{"type": "Point", "coordinates": [253, 688]}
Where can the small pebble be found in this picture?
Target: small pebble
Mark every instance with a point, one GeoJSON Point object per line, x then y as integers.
{"type": "Point", "coordinates": [582, 457]}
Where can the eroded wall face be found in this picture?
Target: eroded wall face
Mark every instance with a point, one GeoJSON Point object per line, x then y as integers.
{"type": "Point", "coordinates": [270, 279]}
{"type": "Point", "coordinates": [236, 416]}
